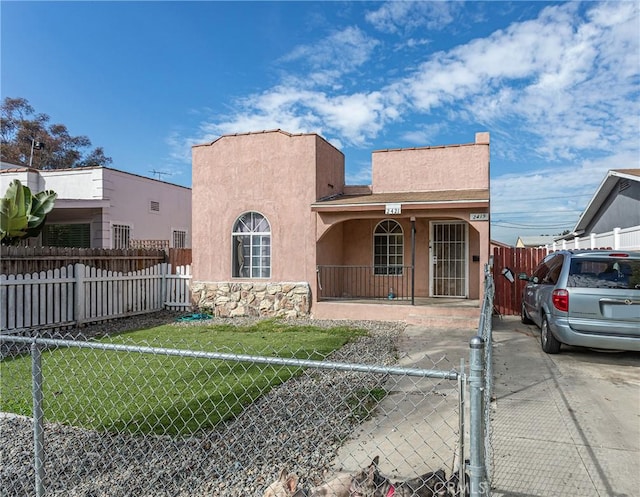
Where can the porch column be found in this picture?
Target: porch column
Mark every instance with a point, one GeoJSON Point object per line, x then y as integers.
{"type": "Point", "coordinates": [413, 260]}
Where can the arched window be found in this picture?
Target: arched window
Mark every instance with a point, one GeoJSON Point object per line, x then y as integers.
{"type": "Point", "coordinates": [251, 254]}
{"type": "Point", "coordinates": [388, 248]}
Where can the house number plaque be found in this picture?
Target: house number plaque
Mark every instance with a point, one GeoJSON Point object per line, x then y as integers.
{"type": "Point", "coordinates": [393, 209]}
{"type": "Point", "coordinates": [484, 216]}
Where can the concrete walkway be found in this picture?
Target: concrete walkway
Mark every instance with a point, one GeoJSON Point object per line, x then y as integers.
{"type": "Point", "coordinates": [417, 424]}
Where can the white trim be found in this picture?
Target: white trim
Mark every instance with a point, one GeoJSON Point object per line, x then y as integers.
{"type": "Point", "coordinates": [172, 237]}
{"type": "Point", "coordinates": [373, 242]}
{"type": "Point", "coordinates": [404, 202]}
{"type": "Point", "coordinates": [251, 234]}
{"type": "Point", "coordinates": [602, 192]}
{"type": "Point", "coordinates": [111, 228]}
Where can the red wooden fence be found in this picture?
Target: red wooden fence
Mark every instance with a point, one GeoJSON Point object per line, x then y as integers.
{"type": "Point", "coordinates": [508, 296]}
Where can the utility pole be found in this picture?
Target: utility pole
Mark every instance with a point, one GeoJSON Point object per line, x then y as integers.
{"type": "Point", "coordinates": [34, 146]}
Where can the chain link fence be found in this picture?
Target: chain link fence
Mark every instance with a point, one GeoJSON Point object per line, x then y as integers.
{"type": "Point", "coordinates": [156, 416]}
{"type": "Point", "coordinates": [485, 331]}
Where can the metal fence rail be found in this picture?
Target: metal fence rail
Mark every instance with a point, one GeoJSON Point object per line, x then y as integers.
{"type": "Point", "coordinates": [365, 282]}
{"type": "Point", "coordinates": [156, 417]}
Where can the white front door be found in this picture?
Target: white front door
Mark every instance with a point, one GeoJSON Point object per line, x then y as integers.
{"type": "Point", "coordinates": [449, 259]}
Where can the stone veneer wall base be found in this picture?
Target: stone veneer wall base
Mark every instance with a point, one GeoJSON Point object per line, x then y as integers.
{"type": "Point", "coordinates": [260, 299]}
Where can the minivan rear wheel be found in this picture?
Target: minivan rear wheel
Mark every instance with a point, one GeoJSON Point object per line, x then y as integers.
{"type": "Point", "coordinates": [549, 343]}
{"type": "Point", "coordinates": [524, 317]}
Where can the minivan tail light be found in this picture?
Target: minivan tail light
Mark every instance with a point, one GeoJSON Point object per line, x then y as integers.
{"type": "Point", "coordinates": [560, 299]}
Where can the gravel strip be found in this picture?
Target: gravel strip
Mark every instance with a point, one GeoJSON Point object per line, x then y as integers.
{"type": "Point", "coordinates": [300, 424]}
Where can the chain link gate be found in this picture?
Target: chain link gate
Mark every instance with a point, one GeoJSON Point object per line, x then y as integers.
{"type": "Point", "coordinates": [122, 419]}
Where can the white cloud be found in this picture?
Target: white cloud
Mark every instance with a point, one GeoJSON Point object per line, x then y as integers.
{"type": "Point", "coordinates": [360, 175]}
{"type": "Point", "coordinates": [571, 82]}
{"type": "Point", "coordinates": [553, 90]}
{"type": "Point", "coordinates": [548, 200]}
{"type": "Point", "coordinates": [568, 81]}
{"type": "Point", "coordinates": [356, 117]}
{"type": "Point", "coordinates": [394, 17]}
{"type": "Point", "coordinates": [422, 134]}
{"type": "Point", "coordinates": [341, 52]}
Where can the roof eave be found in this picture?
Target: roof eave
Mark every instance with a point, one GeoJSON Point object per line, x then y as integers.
{"type": "Point", "coordinates": [604, 190]}
{"type": "Point", "coordinates": [409, 205]}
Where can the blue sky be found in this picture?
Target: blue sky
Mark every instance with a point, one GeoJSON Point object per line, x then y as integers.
{"type": "Point", "coordinates": [556, 84]}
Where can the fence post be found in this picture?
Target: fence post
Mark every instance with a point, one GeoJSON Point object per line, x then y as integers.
{"type": "Point", "coordinates": [476, 412]}
{"type": "Point", "coordinates": [616, 238]}
{"type": "Point", "coordinates": [79, 300]}
{"type": "Point", "coordinates": [462, 403]}
{"type": "Point", "coordinates": [38, 417]}
{"type": "Point", "coordinates": [165, 269]}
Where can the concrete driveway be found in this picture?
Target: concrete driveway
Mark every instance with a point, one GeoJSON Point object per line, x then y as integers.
{"type": "Point", "coordinates": [563, 425]}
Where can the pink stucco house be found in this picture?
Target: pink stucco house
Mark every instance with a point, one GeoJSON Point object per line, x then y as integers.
{"type": "Point", "coordinates": [276, 232]}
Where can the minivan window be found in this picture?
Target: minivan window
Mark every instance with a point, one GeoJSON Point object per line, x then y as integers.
{"type": "Point", "coordinates": [555, 266]}
{"type": "Point", "coordinates": [543, 273]}
{"type": "Point", "coordinates": [604, 273]}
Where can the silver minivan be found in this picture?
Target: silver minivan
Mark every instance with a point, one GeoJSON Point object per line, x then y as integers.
{"type": "Point", "coordinates": [586, 298]}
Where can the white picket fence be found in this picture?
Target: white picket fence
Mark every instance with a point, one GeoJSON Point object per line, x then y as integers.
{"type": "Point", "coordinates": [618, 239]}
{"type": "Point", "coordinates": [78, 294]}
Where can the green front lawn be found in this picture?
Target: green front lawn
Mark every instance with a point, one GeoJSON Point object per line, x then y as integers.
{"type": "Point", "coordinates": [149, 393]}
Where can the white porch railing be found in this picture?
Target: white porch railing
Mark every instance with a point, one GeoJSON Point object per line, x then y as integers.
{"type": "Point", "coordinates": [618, 239]}
{"type": "Point", "coordinates": [78, 294]}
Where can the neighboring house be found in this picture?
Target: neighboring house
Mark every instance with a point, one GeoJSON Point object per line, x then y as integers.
{"type": "Point", "coordinates": [277, 232]}
{"type": "Point", "coordinates": [612, 216]}
{"type": "Point", "coordinates": [498, 244]}
{"type": "Point", "coordinates": [615, 204]}
{"type": "Point", "coordinates": [100, 207]}
{"type": "Point", "coordinates": [534, 241]}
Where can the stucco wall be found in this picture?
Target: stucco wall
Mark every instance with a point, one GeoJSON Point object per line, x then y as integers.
{"type": "Point", "coordinates": [280, 176]}
{"type": "Point", "coordinates": [82, 183]}
{"type": "Point", "coordinates": [273, 173]}
{"type": "Point", "coordinates": [326, 252]}
{"type": "Point", "coordinates": [458, 167]}
{"type": "Point", "coordinates": [329, 170]}
{"type": "Point", "coordinates": [130, 198]}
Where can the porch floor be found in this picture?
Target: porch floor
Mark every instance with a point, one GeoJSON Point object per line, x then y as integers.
{"type": "Point", "coordinates": [440, 312]}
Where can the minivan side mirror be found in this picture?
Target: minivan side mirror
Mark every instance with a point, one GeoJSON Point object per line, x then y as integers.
{"type": "Point", "coordinates": [523, 276]}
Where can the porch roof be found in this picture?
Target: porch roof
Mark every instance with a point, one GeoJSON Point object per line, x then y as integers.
{"type": "Point", "coordinates": [410, 199]}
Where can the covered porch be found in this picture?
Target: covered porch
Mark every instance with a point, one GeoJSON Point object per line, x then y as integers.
{"type": "Point", "coordinates": [424, 244]}
{"type": "Point", "coordinates": [415, 257]}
